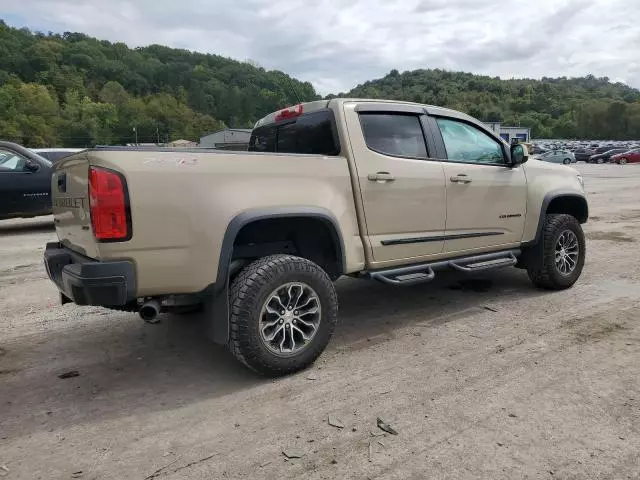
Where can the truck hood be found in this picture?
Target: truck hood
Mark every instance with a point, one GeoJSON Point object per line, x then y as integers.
{"type": "Point", "coordinates": [554, 175]}
{"type": "Point", "coordinates": [534, 165]}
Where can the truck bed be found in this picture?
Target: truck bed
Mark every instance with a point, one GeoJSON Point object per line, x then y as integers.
{"type": "Point", "coordinates": [182, 200]}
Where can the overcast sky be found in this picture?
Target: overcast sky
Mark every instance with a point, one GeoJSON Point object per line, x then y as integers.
{"type": "Point", "coordinates": [337, 44]}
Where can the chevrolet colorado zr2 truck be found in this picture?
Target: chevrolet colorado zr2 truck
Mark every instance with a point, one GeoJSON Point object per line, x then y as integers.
{"type": "Point", "coordinates": [386, 190]}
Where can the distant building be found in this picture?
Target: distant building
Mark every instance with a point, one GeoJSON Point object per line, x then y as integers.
{"type": "Point", "coordinates": [510, 134]}
{"type": "Point", "coordinates": [228, 139]}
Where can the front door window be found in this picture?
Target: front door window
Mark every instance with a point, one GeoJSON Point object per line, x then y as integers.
{"type": "Point", "coordinates": [11, 162]}
{"type": "Point", "coordinates": [468, 144]}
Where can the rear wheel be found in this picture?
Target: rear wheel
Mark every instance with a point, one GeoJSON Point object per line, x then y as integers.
{"type": "Point", "coordinates": [623, 161]}
{"type": "Point", "coordinates": [600, 161]}
{"type": "Point", "coordinates": [283, 312]}
{"type": "Point", "coordinates": [559, 257]}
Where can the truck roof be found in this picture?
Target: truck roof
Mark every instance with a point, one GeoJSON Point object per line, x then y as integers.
{"type": "Point", "coordinates": [308, 107]}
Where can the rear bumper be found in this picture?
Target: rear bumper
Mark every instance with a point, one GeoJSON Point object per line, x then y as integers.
{"type": "Point", "coordinates": [86, 281]}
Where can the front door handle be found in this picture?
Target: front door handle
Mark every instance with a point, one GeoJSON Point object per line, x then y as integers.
{"type": "Point", "coordinates": [461, 178]}
{"type": "Point", "coordinates": [381, 177]}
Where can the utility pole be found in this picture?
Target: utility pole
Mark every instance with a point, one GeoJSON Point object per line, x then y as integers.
{"type": "Point", "coordinates": [136, 132]}
{"type": "Point", "coordinates": [157, 136]}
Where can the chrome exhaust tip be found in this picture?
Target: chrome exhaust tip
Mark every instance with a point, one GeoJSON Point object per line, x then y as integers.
{"type": "Point", "coordinates": [149, 311]}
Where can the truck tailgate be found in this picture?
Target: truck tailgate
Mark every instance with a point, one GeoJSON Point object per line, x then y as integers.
{"type": "Point", "coordinates": [71, 211]}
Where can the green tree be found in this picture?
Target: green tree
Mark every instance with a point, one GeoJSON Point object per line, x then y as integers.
{"type": "Point", "coordinates": [72, 89]}
{"type": "Point", "coordinates": [29, 113]}
{"type": "Point", "coordinates": [587, 107]}
{"type": "Point", "coordinates": [85, 122]}
{"type": "Point", "coordinates": [100, 90]}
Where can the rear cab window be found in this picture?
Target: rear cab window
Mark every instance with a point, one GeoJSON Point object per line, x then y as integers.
{"type": "Point", "coordinates": [394, 134]}
{"type": "Point", "coordinates": [310, 133]}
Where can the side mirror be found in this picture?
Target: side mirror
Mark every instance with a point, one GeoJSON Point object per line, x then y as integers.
{"type": "Point", "coordinates": [31, 166]}
{"type": "Point", "coordinates": [519, 155]}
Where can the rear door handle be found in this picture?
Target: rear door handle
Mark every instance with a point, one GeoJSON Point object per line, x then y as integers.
{"type": "Point", "coordinates": [461, 178]}
{"type": "Point", "coordinates": [381, 177]}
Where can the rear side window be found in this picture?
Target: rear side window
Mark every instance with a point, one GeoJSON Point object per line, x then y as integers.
{"type": "Point", "coordinates": [398, 135]}
{"type": "Point", "coordinates": [312, 133]}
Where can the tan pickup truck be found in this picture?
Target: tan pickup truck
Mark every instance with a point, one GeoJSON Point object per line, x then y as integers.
{"type": "Point", "coordinates": [385, 190]}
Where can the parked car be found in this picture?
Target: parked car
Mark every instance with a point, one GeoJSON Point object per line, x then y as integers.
{"type": "Point", "coordinates": [603, 149]}
{"type": "Point", "coordinates": [558, 156]}
{"type": "Point", "coordinates": [632, 156]}
{"type": "Point", "coordinates": [256, 238]}
{"type": "Point", "coordinates": [536, 150]}
{"type": "Point", "coordinates": [55, 154]}
{"type": "Point", "coordinates": [583, 154]}
{"type": "Point", "coordinates": [604, 157]}
{"type": "Point", "coordinates": [25, 182]}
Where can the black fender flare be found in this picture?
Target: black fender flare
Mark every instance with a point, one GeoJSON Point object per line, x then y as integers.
{"type": "Point", "coordinates": [548, 198]}
{"type": "Point", "coordinates": [216, 305]}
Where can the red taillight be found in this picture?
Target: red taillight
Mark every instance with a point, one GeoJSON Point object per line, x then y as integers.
{"type": "Point", "coordinates": [109, 205]}
{"type": "Point", "coordinates": [291, 112]}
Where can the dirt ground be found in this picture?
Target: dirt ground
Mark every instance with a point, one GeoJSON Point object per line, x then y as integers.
{"type": "Point", "coordinates": [488, 378]}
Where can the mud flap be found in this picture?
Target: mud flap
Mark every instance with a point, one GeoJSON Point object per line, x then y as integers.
{"type": "Point", "coordinates": [531, 255]}
{"type": "Point", "coordinates": [215, 313]}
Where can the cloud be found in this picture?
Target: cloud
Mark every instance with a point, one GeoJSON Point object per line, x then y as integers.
{"type": "Point", "coordinates": [337, 44]}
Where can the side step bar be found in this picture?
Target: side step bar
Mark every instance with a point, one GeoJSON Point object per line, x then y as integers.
{"type": "Point", "coordinates": [425, 272]}
{"type": "Point", "coordinates": [481, 262]}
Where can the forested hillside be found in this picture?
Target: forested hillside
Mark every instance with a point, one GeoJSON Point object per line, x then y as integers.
{"type": "Point", "coordinates": [74, 90]}
{"type": "Point", "coordinates": [589, 107]}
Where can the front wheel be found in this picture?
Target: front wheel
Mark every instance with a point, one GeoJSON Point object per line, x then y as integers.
{"type": "Point", "coordinates": [283, 310]}
{"type": "Point", "coordinates": [600, 161]}
{"type": "Point", "coordinates": [566, 161]}
{"type": "Point", "coordinates": [623, 161]}
{"type": "Point", "coordinates": [559, 259]}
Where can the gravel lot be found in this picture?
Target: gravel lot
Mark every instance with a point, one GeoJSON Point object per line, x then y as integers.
{"type": "Point", "coordinates": [488, 378]}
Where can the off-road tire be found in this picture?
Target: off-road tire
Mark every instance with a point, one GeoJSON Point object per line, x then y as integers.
{"type": "Point", "coordinates": [541, 267]}
{"type": "Point", "coordinates": [247, 295]}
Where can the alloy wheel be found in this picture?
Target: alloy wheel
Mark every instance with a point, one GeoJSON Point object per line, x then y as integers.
{"type": "Point", "coordinates": [290, 318]}
{"type": "Point", "coordinates": [567, 251]}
